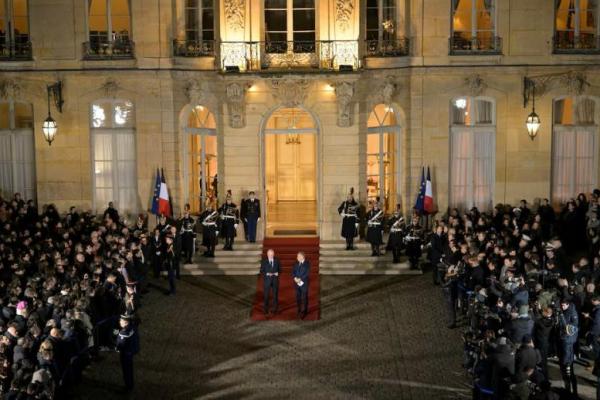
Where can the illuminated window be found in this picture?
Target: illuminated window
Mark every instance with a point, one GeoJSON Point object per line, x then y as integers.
{"type": "Point", "coordinates": [574, 147]}
{"type": "Point", "coordinates": [381, 20]}
{"type": "Point", "coordinates": [290, 21]}
{"type": "Point", "coordinates": [17, 149]}
{"type": "Point", "coordinates": [199, 20]}
{"type": "Point", "coordinates": [382, 157]}
{"type": "Point", "coordinates": [474, 26]}
{"type": "Point", "coordinates": [109, 28]}
{"type": "Point", "coordinates": [472, 153]}
{"type": "Point", "coordinates": [14, 29]}
{"type": "Point", "coordinates": [112, 124]}
{"type": "Point", "coordinates": [576, 25]}
{"type": "Point", "coordinates": [201, 162]}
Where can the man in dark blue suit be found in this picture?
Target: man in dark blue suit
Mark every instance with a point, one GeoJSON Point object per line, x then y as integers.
{"type": "Point", "coordinates": [300, 274]}
{"type": "Point", "coordinates": [270, 269]}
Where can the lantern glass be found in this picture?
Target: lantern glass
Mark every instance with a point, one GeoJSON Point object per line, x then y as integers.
{"type": "Point", "coordinates": [533, 124]}
{"type": "Point", "coordinates": [49, 129]}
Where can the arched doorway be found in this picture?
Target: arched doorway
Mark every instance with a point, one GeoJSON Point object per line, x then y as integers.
{"type": "Point", "coordinates": [200, 158]}
{"type": "Point", "coordinates": [383, 163]}
{"type": "Point", "coordinates": [290, 172]}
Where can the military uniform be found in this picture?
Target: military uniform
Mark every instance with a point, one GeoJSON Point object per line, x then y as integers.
{"type": "Point", "coordinates": [128, 345]}
{"type": "Point", "coordinates": [187, 237]}
{"type": "Point", "coordinates": [251, 215]}
{"type": "Point", "coordinates": [395, 241]}
{"type": "Point", "coordinates": [350, 212]}
{"type": "Point", "coordinates": [413, 241]}
{"type": "Point", "coordinates": [210, 230]}
{"type": "Point", "coordinates": [375, 229]}
{"type": "Point", "coordinates": [230, 218]}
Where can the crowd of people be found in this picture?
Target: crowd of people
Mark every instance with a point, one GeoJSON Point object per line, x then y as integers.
{"type": "Point", "coordinates": [524, 282]}
{"type": "Point", "coordinates": [70, 287]}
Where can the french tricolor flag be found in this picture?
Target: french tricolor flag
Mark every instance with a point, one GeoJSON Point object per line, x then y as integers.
{"type": "Point", "coordinates": [428, 198]}
{"type": "Point", "coordinates": [164, 205]}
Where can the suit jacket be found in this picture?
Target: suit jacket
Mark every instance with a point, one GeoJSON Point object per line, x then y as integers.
{"type": "Point", "coordinates": [266, 267]}
{"type": "Point", "coordinates": [302, 272]}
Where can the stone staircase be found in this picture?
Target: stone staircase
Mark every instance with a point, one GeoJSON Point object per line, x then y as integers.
{"type": "Point", "coordinates": [243, 260]}
{"type": "Point", "coordinates": [335, 260]}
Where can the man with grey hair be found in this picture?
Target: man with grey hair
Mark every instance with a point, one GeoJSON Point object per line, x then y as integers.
{"type": "Point", "coordinates": [270, 269]}
{"type": "Point", "coordinates": [300, 274]}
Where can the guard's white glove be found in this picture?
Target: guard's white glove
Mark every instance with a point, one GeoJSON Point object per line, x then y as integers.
{"type": "Point", "coordinates": [356, 226]}
{"type": "Point", "coordinates": [258, 219]}
{"type": "Point", "coordinates": [217, 233]}
{"type": "Point", "coordinates": [235, 226]}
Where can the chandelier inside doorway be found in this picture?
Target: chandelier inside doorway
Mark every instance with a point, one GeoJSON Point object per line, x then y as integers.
{"type": "Point", "coordinates": [292, 138]}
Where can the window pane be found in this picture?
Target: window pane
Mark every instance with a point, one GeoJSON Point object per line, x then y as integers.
{"type": "Point", "coordinates": [563, 111]}
{"type": "Point", "coordinates": [208, 19]}
{"type": "Point", "coordinates": [304, 20]}
{"type": "Point", "coordinates": [21, 20]}
{"type": "Point", "coordinates": [207, 4]}
{"type": "Point", "coordinates": [304, 3]}
{"type": "Point", "coordinates": [372, 19]}
{"type": "Point", "coordinates": [586, 111]}
{"type": "Point", "coordinates": [275, 4]}
{"type": "Point", "coordinates": [103, 174]}
{"type": "Point", "coordinates": [484, 112]}
{"type": "Point", "coordinates": [460, 111]}
{"type": "Point", "coordinates": [276, 20]}
{"type": "Point", "coordinates": [23, 115]}
{"type": "Point", "coordinates": [98, 19]}
{"type": "Point", "coordinates": [124, 116]}
{"type": "Point", "coordinates": [462, 18]}
{"type": "Point", "coordinates": [120, 17]}
{"type": "Point", "coordinates": [4, 116]}
{"type": "Point", "coordinates": [103, 147]}
{"type": "Point", "coordinates": [125, 147]}
{"type": "Point", "coordinates": [101, 114]}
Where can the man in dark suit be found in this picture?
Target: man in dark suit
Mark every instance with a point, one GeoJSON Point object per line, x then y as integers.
{"type": "Point", "coordinates": [270, 268]}
{"type": "Point", "coordinates": [300, 274]}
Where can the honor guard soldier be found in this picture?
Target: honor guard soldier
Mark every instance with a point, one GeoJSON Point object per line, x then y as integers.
{"type": "Point", "coordinates": [210, 229]}
{"type": "Point", "coordinates": [128, 345]}
{"type": "Point", "coordinates": [413, 240]}
{"type": "Point", "coordinates": [350, 213]}
{"type": "Point", "coordinates": [375, 227]}
{"type": "Point", "coordinates": [395, 241]}
{"type": "Point", "coordinates": [170, 262]}
{"type": "Point", "coordinates": [162, 225]}
{"type": "Point", "coordinates": [230, 218]}
{"type": "Point", "coordinates": [251, 216]}
{"type": "Point", "coordinates": [187, 236]}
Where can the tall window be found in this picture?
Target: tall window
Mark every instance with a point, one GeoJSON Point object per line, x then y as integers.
{"type": "Point", "coordinates": [474, 26]}
{"type": "Point", "coordinates": [381, 20]}
{"type": "Point", "coordinates": [17, 149]}
{"type": "Point", "coordinates": [199, 20]}
{"type": "Point", "coordinates": [113, 154]}
{"type": "Point", "coordinates": [382, 161]}
{"type": "Point", "coordinates": [290, 21]}
{"type": "Point", "coordinates": [576, 25]}
{"type": "Point", "coordinates": [109, 27]}
{"type": "Point", "coordinates": [574, 147]}
{"type": "Point", "coordinates": [14, 29]}
{"type": "Point", "coordinates": [201, 154]}
{"type": "Point", "coordinates": [472, 149]}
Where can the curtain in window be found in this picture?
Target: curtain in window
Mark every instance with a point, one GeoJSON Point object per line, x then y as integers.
{"type": "Point", "coordinates": [574, 162]}
{"type": "Point", "coordinates": [127, 190]}
{"type": "Point", "coordinates": [460, 165]}
{"type": "Point", "coordinates": [559, 110]}
{"type": "Point", "coordinates": [585, 110]}
{"type": "Point", "coordinates": [6, 166]}
{"type": "Point", "coordinates": [458, 115]}
{"type": "Point", "coordinates": [484, 112]}
{"type": "Point", "coordinates": [483, 169]}
{"type": "Point", "coordinates": [455, 4]}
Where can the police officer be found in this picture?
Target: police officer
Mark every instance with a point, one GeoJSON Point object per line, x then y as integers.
{"type": "Point", "coordinates": [128, 345]}
{"type": "Point", "coordinates": [251, 216]}
{"type": "Point", "coordinates": [230, 218]}
{"type": "Point", "coordinates": [210, 229]}
{"type": "Point", "coordinates": [568, 326]}
{"type": "Point", "coordinates": [395, 239]}
{"type": "Point", "coordinates": [350, 213]}
{"type": "Point", "coordinates": [170, 262]}
{"type": "Point", "coordinates": [270, 269]}
{"type": "Point", "coordinates": [156, 244]}
{"type": "Point", "coordinates": [375, 219]}
{"type": "Point", "coordinates": [187, 236]}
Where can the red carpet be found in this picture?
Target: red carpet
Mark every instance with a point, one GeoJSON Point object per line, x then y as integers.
{"type": "Point", "coordinates": [286, 250]}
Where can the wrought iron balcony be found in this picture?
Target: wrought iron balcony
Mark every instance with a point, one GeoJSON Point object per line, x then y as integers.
{"type": "Point", "coordinates": [290, 55]}
{"type": "Point", "coordinates": [566, 43]}
{"type": "Point", "coordinates": [193, 48]}
{"type": "Point", "coordinates": [387, 48]}
{"type": "Point", "coordinates": [121, 48]}
{"type": "Point", "coordinates": [15, 51]}
{"type": "Point", "coordinates": [474, 46]}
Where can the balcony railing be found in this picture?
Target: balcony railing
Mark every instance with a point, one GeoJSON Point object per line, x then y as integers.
{"type": "Point", "coordinates": [387, 48]}
{"type": "Point", "coordinates": [476, 45]}
{"type": "Point", "coordinates": [193, 48]}
{"type": "Point", "coordinates": [15, 51]}
{"type": "Point", "coordinates": [121, 48]}
{"type": "Point", "coordinates": [288, 55]}
{"type": "Point", "coordinates": [566, 43]}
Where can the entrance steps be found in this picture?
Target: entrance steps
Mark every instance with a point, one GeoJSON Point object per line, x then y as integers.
{"type": "Point", "coordinates": [243, 260]}
{"type": "Point", "coordinates": [335, 260]}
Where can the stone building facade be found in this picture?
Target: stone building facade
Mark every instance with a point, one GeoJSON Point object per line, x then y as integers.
{"type": "Point", "coordinates": [399, 70]}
